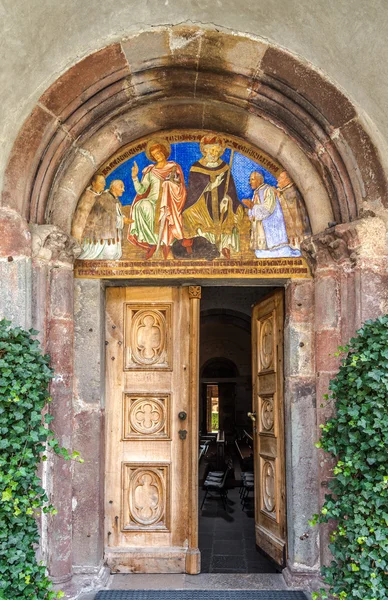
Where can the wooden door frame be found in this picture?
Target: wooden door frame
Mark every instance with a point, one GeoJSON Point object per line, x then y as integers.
{"type": "Point", "coordinates": [193, 556]}
{"type": "Point", "coordinates": [300, 417]}
{"type": "Point", "coordinates": [300, 381]}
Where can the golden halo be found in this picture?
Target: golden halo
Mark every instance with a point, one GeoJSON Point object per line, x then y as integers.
{"type": "Point", "coordinates": [215, 140]}
{"type": "Point", "coordinates": [154, 142]}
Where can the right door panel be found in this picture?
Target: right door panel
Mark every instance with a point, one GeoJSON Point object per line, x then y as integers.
{"type": "Point", "coordinates": [267, 372]}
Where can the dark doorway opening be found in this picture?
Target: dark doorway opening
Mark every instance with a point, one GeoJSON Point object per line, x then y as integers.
{"type": "Point", "coordinates": [226, 517]}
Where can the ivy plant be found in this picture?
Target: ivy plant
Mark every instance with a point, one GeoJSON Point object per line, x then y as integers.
{"type": "Point", "coordinates": [357, 438]}
{"type": "Point", "coordinates": [25, 440]}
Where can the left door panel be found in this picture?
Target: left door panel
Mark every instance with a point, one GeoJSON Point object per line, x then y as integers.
{"type": "Point", "coordinates": [148, 509]}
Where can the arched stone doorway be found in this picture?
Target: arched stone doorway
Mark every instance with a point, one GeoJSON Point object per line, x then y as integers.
{"type": "Point", "coordinates": [217, 81]}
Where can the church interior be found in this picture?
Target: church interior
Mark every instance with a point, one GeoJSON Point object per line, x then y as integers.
{"type": "Point", "coordinates": [226, 516]}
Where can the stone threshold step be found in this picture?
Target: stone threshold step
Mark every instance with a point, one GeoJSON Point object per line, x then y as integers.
{"type": "Point", "coordinates": [204, 581]}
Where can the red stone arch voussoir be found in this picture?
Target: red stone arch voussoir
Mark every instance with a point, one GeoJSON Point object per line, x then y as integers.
{"type": "Point", "coordinates": [192, 64]}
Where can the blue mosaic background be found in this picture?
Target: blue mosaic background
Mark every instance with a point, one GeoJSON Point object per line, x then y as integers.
{"type": "Point", "coordinates": [185, 154]}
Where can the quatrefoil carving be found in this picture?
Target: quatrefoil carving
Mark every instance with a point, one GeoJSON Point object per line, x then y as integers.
{"type": "Point", "coordinates": [146, 416]}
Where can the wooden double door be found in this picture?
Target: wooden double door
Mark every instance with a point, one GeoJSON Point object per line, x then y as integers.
{"type": "Point", "coordinates": [151, 478]}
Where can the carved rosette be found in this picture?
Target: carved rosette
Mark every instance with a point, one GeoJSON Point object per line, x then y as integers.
{"type": "Point", "coordinates": [145, 497]}
{"type": "Point", "coordinates": [195, 291]}
{"type": "Point", "coordinates": [146, 417]}
{"type": "Point", "coordinates": [147, 335]}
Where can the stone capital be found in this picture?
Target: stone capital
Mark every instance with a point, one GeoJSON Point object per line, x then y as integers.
{"type": "Point", "coordinates": [337, 246]}
{"type": "Point", "coordinates": [51, 244]}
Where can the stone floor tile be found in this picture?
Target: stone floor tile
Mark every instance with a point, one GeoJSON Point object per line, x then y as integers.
{"type": "Point", "coordinates": [230, 547]}
{"type": "Point", "coordinates": [236, 563]}
{"type": "Point", "coordinates": [206, 540]}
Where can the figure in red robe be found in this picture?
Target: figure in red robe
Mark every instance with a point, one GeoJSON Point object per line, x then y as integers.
{"type": "Point", "coordinates": [157, 208]}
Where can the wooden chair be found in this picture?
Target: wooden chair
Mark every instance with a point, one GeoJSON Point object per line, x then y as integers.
{"type": "Point", "coordinates": [217, 486]}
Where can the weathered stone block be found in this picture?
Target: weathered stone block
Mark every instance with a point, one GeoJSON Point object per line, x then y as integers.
{"type": "Point", "coordinates": [40, 299]}
{"type": "Point", "coordinates": [44, 176]}
{"type": "Point", "coordinates": [88, 510]}
{"type": "Point", "coordinates": [329, 100]}
{"type": "Point", "coordinates": [95, 110]}
{"type": "Point", "coordinates": [84, 79]}
{"type": "Point", "coordinates": [185, 42]}
{"type": "Point", "coordinates": [89, 322]}
{"type": "Point", "coordinates": [15, 291]}
{"type": "Point", "coordinates": [300, 301]}
{"type": "Point", "coordinates": [61, 293]}
{"type": "Point", "coordinates": [373, 176]}
{"type": "Point", "coordinates": [76, 179]}
{"type": "Point", "coordinates": [24, 159]}
{"type": "Point", "coordinates": [326, 344]}
{"type": "Point", "coordinates": [160, 115]}
{"type": "Point", "coordinates": [374, 293]}
{"type": "Point", "coordinates": [230, 53]}
{"type": "Point", "coordinates": [15, 237]}
{"type": "Point", "coordinates": [327, 303]}
{"type": "Point", "coordinates": [108, 143]}
{"type": "Point", "coordinates": [225, 118]}
{"type": "Point", "coordinates": [221, 87]}
{"type": "Point", "coordinates": [60, 346]}
{"type": "Point", "coordinates": [147, 50]}
{"type": "Point", "coordinates": [59, 525]}
{"type": "Point", "coordinates": [299, 349]}
{"type": "Point", "coordinates": [302, 470]}
{"type": "Point", "coordinates": [165, 82]}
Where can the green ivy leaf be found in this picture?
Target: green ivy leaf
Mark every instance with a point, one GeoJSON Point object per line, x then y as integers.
{"type": "Point", "coordinates": [24, 441]}
{"type": "Point", "coordinates": [356, 438]}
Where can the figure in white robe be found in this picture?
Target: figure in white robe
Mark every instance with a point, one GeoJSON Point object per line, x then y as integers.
{"type": "Point", "coordinates": [268, 230]}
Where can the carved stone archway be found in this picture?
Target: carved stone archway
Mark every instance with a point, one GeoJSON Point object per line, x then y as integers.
{"type": "Point", "coordinates": [197, 67]}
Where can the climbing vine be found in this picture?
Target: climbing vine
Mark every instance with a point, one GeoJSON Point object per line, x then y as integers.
{"type": "Point", "coordinates": [357, 437]}
{"type": "Point", "coordinates": [25, 440]}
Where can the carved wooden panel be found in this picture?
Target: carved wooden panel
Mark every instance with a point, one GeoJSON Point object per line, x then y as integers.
{"type": "Point", "coordinates": [268, 486]}
{"type": "Point", "coordinates": [267, 414]}
{"type": "Point", "coordinates": [146, 497]}
{"type": "Point", "coordinates": [267, 360]}
{"type": "Point", "coordinates": [266, 343]}
{"type": "Point", "coordinates": [148, 336]}
{"type": "Point", "coordinates": [146, 416]}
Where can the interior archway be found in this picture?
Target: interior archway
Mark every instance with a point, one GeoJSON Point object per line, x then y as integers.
{"type": "Point", "coordinates": [219, 367]}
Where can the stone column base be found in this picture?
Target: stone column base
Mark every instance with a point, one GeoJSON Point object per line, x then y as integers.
{"type": "Point", "coordinates": [303, 580]}
{"type": "Point", "coordinates": [85, 580]}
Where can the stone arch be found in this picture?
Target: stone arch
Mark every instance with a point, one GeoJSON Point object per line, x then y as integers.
{"type": "Point", "coordinates": [220, 365]}
{"type": "Point", "coordinates": [227, 316]}
{"type": "Point", "coordinates": [212, 80]}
